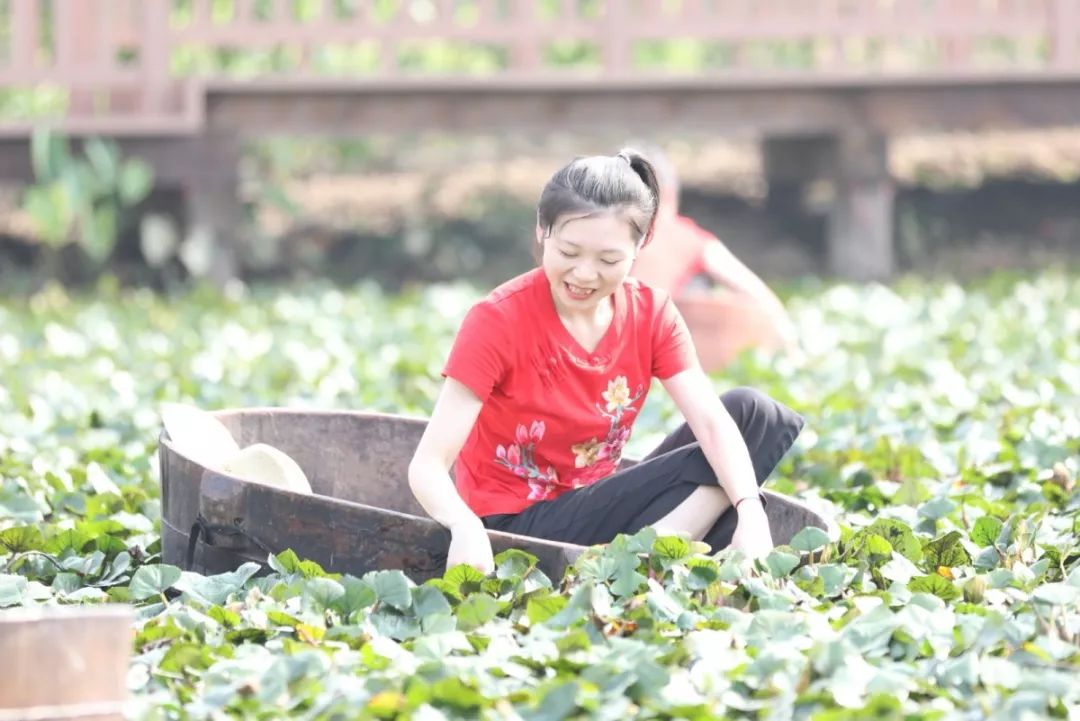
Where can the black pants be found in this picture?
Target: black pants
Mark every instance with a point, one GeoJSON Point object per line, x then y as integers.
{"type": "Point", "coordinates": [627, 501]}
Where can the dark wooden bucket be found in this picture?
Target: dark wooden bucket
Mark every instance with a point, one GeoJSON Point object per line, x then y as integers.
{"type": "Point", "coordinates": [65, 662]}
{"type": "Point", "coordinates": [362, 515]}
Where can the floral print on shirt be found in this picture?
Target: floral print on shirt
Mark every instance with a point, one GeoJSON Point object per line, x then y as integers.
{"type": "Point", "coordinates": [590, 454]}
{"type": "Point", "coordinates": [598, 458]}
{"type": "Point", "coordinates": [519, 458]}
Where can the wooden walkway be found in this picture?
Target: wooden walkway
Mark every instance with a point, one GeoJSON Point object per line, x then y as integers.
{"type": "Point", "coordinates": [824, 83]}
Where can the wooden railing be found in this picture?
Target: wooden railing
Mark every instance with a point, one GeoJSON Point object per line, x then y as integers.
{"type": "Point", "coordinates": [144, 64]}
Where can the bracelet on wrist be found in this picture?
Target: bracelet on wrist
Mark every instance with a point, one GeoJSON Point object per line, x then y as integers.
{"type": "Point", "coordinates": [758, 497]}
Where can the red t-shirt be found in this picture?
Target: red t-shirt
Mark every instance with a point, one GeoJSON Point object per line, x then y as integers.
{"type": "Point", "coordinates": [555, 417]}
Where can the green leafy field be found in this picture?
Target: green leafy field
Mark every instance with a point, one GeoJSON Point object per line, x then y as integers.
{"type": "Point", "coordinates": [943, 432]}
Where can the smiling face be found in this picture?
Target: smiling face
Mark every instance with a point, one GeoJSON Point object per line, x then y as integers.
{"type": "Point", "coordinates": [586, 259]}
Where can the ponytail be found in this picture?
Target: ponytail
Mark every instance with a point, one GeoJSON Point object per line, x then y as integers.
{"type": "Point", "coordinates": [644, 170]}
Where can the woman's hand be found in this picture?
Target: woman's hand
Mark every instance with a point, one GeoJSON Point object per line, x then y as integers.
{"type": "Point", "coordinates": [752, 535]}
{"type": "Point", "coordinates": [469, 543]}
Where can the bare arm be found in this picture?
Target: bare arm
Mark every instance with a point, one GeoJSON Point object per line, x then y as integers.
{"type": "Point", "coordinates": [451, 422]}
{"type": "Point", "coordinates": [726, 452]}
{"type": "Point", "coordinates": [722, 265]}
{"type": "Point", "coordinates": [715, 430]}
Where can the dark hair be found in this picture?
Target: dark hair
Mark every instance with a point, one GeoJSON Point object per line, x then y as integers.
{"type": "Point", "coordinates": [666, 175]}
{"type": "Point", "coordinates": [594, 184]}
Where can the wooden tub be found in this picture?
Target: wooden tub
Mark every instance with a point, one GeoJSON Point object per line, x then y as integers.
{"type": "Point", "coordinates": [362, 515]}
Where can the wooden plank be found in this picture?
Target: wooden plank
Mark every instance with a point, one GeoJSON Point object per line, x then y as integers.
{"type": "Point", "coordinates": [489, 12]}
{"type": "Point", "coordinates": [25, 25]}
{"type": "Point", "coordinates": [78, 49]}
{"type": "Point", "coordinates": [328, 16]}
{"type": "Point", "coordinates": [154, 54]}
{"type": "Point", "coordinates": [65, 21]}
{"type": "Point", "coordinates": [615, 45]}
{"type": "Point", "coordinates": [87, 78]}
{"type": "Point", "coordinates": [202, 15]}
{"type": "Point", "coordinates": [65, 659]}
{"type": "Point", "coordinates": [284, 12]}
{"type": "Point", "coordinates": [244, 13]}
{"type": "Point", "coordinates": [444, 13]}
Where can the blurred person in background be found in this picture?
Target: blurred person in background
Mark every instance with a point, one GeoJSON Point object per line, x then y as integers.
{"type": "Point", "coordinates": [690, 262]}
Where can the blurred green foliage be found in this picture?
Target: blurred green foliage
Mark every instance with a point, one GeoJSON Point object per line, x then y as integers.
{"type": "Point", "coordinates": [80, 198]}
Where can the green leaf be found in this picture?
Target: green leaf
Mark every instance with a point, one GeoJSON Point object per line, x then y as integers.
{"type": "Point", "coordinates": [22, 538]}
{"type": "Point", "coordinates": [136, 181]}
{"type": "Point", "coordinates": [50, 212]}
{"type": "Point", "coordinates": [391, 587]}
{"type": "Point", "coordinates": [703, 573]}
{"type": "Point", "coordinates": [72, 539]}
{"type": "Point", "coordinates": [280, 618]}
{"type": "Point", "coordinates": [119, 566]}
{"type": "Point", "coordinates": [288, 563]}
{"type": "Point", "coordinates": [456, 694]}
{"type": "Point", "coordinates": [809, 539]}
{"type": "Point", "coordinates": [937, 508]}
{"type": "Point", "coordinates": [99, 231]}
{"type": "Point", "coordinates": [513, 563]}
{"type": "Point", "coordinates": [12, 590]}
{"type": "Point", "coordinates": [986, 531]}
{"type": "Point", "coordinates": [187, 657]}
{"type": "Point", "coordinates": [946, 551]}
{"type": "Point", "coordinates": [641, 542]}
{"type": "Point", "coordinates": [671, 548]}
{"type": "Point", "coordinates": [475, 611]}
{"type": "Point", "coordinates": [227, 618]}
{"type": "Point", "coordinates": [48, 154]}
{"type": "Point", "coordinates": [79, 185]}
{"type": "Point", "coordinates": [99, 480]}
{"type": "Point", "coordinates": [394, 624]}
{"type": "Point", "coordinates": [66, 582]}
{"type": "Point", "coordinates": [464, 579]}
{"type": "Point", "coordinates": [429, 601]}
{"type": "Point", "coordinates": [1056, 594]}
{"type": "Point", "coordinates": [152, 580]}
{"type": "Point", "coordinates": [323, 592]}
{"type": "Point", "coordinates": [877, 546]}
{"type": "Point", "coordinates": [359, 594]}
{"type": "Point", "coordinates": [833, 576]}
{"type": "Point", "coordinates": [104, 160]}
{"type": "Point", "coordinates": [541, 608]}
{"type": "Point", "coordinates": [899, 536]}
{"type": "Point", "coordinates": [88, 566]}
{"type": "Point", "coordinates": [556, 703]}
{"type": "Point", "coordinates": [88, 594]}
{"type": "Point", "coordinates": [780, 564]}
{"type": "Point", "coordinates": [935, 584]}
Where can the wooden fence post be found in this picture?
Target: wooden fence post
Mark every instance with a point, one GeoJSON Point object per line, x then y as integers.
{"type": "Point", "coordinates": [154, 56]}
{"type": "Point", "coordinates": [1065, 40]}
{"type": "Point", "coordinates": [212, 197]}
{"type": "Point", "coordinates": [860, 228]}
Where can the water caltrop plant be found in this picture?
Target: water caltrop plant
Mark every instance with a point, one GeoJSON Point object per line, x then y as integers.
{"type": "Point", "coordinates": [942, 435]}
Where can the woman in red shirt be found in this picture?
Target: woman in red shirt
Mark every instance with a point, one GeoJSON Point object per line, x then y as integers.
{"type": "Point", "coordinates": [547, 375]}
